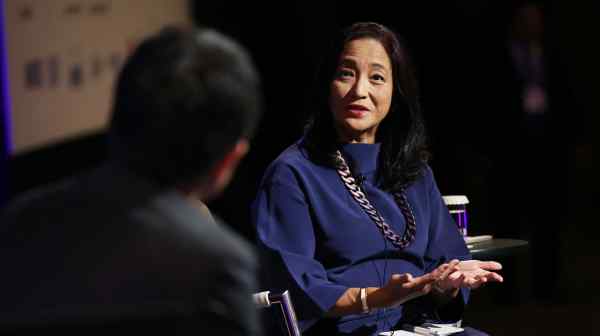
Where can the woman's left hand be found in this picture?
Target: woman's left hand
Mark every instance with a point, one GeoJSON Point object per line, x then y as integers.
{"type": "Point", "coordinates": [468, 274]}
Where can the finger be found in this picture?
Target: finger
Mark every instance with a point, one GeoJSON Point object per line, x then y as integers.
{"type": "Point", "coordinates": [427, 279]}
{"type": "Point", "coordinates": [492, 276]}
{"type": "Point", "coordinates": [475, 285]}
{"type": "Point", "coordinates": [452, 267]}
{"type": "Point", "coordinates": [453, 262]}
{"type": "Point", "coordinates": [455, 275]}
{"type": "Point", "coordinates": [420, 282]}
{"type": "Point", "coordinates": [450, 270]}
{"type": "Point", "coordinates": [490, 265]}
{"type": "Point", "coordinates": [454, 280]}
{"type": "Point", "coordinates": [481, 280]}
{"type": "Point", "coordinates": [470, 283]}
{"type": "Point", "coordinates": [440, 270]}
{"type": "Point", "coordinates": [460, 281]}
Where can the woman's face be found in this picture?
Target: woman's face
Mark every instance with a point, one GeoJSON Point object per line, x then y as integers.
{"type": "Point", "coordinates": [361, 91]}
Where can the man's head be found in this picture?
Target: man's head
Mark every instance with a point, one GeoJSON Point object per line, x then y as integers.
{"type": "Point", "coordinates": [185, 104]}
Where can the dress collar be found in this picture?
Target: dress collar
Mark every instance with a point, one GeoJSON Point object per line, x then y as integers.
{"type": "Point", "coordinates": [363, 157]}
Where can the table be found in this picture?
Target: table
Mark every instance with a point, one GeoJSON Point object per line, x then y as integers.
{"type": "Point", "coordinates": [497, 247]}
{"type": "Point", "coordinates": [515, 257]}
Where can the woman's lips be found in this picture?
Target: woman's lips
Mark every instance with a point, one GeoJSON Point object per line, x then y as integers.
{"type": "Point", "coordinates": [356, 111]}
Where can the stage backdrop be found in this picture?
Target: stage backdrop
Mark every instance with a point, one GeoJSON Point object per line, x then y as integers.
{"type": "Point", "coordinates": [63, 56]}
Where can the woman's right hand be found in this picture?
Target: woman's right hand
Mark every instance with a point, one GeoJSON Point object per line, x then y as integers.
{"type": "Point", "coordinates": [404, 287]}
{"type": "Point", "coordinates": [399, 289]}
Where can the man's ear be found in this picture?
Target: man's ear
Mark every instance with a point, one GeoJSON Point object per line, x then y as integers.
{"type": "Point", "coordinates": [230, 161]}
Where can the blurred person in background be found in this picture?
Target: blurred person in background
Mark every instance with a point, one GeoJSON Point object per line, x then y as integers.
{"type": "Point", "coordinates": [530, 170]}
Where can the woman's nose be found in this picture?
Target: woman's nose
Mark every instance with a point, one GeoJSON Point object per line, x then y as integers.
{"type": "Point", "coordinates": [360, 89]}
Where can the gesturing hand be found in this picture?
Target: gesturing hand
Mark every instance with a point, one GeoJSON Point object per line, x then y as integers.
{"type": "Point", "coordinates": [403, 287]}
{"type": "Point", "coordinates": [470, 274]}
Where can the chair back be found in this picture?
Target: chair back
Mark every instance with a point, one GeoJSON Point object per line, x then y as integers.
{"type": "Point", "coordinates": [284, 305]}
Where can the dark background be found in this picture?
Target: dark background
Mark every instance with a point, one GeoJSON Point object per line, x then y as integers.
{"type": "Point", "coordinates": [541, 192]}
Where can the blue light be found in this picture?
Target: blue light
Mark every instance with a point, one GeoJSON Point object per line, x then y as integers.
{"type": "Point", "coordinates": [5, 113]}
{"type": "Point", "coordinates": [6, 101]}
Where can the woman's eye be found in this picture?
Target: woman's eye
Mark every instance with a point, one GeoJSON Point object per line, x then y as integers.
{"type": "Point", "coordinates": [378, 78]}
{"type": "Point", "coordinates": [344, 73]}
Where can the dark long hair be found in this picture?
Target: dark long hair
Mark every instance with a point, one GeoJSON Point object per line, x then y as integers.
{"type": "Point", "coordinates": [401, 133]}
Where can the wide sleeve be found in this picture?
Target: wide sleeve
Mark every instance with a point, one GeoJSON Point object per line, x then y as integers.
{"type": "Point", "coordinates": [287, 243]}
{"type": "Point", "coordinates": [445, 243]}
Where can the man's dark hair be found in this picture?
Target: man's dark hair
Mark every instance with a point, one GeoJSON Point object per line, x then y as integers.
{"type": "Point", "coordinates": [183, 99]}
{"type": "Point", "coordinates": [402, 131]}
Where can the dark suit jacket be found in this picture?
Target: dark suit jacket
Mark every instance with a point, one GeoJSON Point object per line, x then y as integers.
{"type": "Point", "coordinates": [109, 251]}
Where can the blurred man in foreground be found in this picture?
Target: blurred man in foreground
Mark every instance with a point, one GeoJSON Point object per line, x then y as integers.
{"type": "Point", "coordinates": [128, 246]}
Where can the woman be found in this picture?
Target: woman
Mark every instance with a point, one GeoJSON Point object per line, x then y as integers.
{"type": "Point", "coordinates": [350, 216]}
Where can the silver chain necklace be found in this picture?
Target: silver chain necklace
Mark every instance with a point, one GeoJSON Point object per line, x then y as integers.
{"type": "Point", "coordinates": [361, 198]}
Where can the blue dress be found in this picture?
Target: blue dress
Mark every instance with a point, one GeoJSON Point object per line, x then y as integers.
{"type": "Point", "coordinates": [319, 242]}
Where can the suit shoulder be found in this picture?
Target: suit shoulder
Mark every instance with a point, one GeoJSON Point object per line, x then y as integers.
{"type": "Point", "coordinates": [38, 201]}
